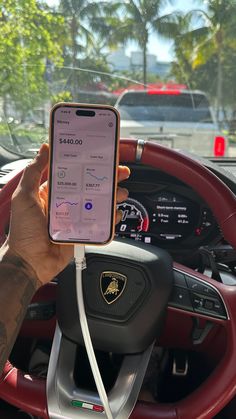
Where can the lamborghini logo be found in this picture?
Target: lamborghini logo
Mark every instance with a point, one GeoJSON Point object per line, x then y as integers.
{"type": "Point", "coordinates": [112, 285]}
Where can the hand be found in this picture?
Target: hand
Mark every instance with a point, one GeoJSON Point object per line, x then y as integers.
{"type": "Point", "coordinates": [28, 234]}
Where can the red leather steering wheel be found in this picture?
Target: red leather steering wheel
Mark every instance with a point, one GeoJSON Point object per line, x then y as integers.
{"type": "Point", "coordinates": [29, 393]}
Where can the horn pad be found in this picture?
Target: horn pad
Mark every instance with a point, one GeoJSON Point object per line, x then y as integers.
{"type": "Point", "coordinates": [126, 291]}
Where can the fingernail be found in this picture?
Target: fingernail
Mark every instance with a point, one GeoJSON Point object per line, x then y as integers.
{"type": "Point", "coordinates": [128, 174]}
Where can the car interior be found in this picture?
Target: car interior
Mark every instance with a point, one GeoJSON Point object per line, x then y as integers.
{"type": "Point", "coordinates": [172, 330]}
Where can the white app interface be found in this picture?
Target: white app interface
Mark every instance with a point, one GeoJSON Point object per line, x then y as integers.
{"type": "Point", "coordinates": [82, 175]}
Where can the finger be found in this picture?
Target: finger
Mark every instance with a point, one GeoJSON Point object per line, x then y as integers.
{"type": "Point", "coordinates": [122, 194]}
{"type": "Point", "coordinates": [123, 173]}
{"type": "Point", "coordinates": [43, 195]}
{"type": "Point", "coordinates": [118, 216]}
{"type": "Point", "coordinates": [44, 188]}
{"type": "Point", "coordinates": [32, 174]}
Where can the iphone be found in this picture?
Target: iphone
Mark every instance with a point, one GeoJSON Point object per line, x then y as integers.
{"type": "Point", "coordinates": [82, 173]}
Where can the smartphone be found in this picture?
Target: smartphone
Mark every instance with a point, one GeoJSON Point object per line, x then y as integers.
{"type": "Point", "coordinates": [82, 173]}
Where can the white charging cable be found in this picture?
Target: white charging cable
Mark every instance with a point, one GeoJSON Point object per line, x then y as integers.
{"type": "Point", "coordinates": [80, 263]}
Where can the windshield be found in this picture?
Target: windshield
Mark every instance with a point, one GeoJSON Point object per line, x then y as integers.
{"type": "Point", "coordinates": [169, 67]}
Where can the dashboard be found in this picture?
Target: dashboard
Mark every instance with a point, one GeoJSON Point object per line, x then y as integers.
{"type": "Point", "coordinates": [163, 211]}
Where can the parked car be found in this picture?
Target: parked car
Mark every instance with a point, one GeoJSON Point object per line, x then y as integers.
{"type": "Point", "coordinates": [180, 119]}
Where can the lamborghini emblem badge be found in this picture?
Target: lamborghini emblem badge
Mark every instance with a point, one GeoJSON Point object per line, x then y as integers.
{"type": "Point", "coordinates": [112, 285]}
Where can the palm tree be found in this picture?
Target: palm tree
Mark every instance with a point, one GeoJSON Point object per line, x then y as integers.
{"type": "Point", "coordinates": [181, 67]}
{"type": "Point", "coordinates": [216, 36]}
{"type": "Point", "coordinates": [78, 15]}
{"type": "Point", "coordinates": [137, 20]}
{"type": "Point", "coordinates": [185, 41]}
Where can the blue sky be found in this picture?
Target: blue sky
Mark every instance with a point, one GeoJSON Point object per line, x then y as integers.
{"type": "Point", "coordinates": [159, 47]}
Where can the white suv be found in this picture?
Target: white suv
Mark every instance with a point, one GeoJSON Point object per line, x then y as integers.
{"type": "Point", "coordinates": [181, 119]}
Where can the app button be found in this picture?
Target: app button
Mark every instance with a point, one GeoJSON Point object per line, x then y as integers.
{"type": "Point", "coordinates": [61, 174]}
{"type": "Point", "coordinates": [88, 205]}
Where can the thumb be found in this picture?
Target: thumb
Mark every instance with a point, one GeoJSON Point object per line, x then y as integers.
{"type": "Point", "coordinates": [32, 174]}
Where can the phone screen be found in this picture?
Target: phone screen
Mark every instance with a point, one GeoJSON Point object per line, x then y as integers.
{"type": "Point", "coordinates": [82, 173]}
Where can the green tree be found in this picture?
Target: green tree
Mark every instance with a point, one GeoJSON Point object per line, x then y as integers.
{"type": "Point", "coordinates": [184, 42]}
{"type": "Point", "coordinates": [134, 20]}
{"type": "Point", "coordinates": [78, 16]}
{"type": "Point", "coordinates": [29, 38]}
{"type": "Point", "coordinates": [217, 36]}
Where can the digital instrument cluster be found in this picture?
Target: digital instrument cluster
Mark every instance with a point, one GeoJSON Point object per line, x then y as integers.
{"type": "Point", "coordinates": [166, 219]}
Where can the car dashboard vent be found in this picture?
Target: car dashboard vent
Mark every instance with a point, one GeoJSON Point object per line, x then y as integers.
{"type": "Point", "coordinates": [4, 172]}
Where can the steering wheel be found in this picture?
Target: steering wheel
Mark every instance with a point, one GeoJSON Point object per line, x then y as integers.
{"type": "Point", "coordinates": [29, 392]}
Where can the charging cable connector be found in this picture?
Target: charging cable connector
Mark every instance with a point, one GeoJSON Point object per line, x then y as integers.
{"type": "Point", "coordinates": [80, 263]}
